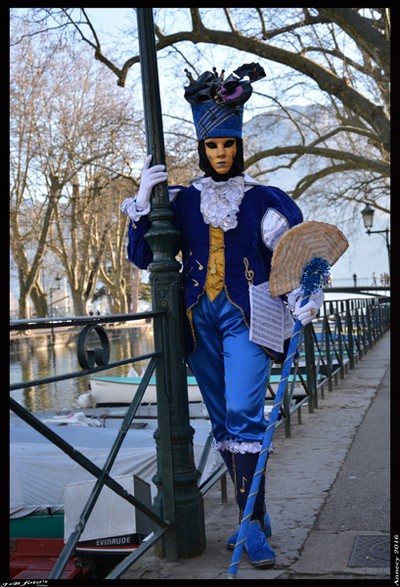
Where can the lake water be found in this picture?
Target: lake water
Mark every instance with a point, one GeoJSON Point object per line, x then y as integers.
{"type": "Point", "coordinates": [30, 364]}
{"type": "Point", "coordinates": [63, 395]}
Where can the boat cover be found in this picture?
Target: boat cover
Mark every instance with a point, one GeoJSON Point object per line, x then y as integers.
{"type": "Point", "coordinates": [40, 471]}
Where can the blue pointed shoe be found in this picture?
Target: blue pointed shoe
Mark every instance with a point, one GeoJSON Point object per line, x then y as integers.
{"type": "Point", "coordinates": [231, 542]}
{"type": "Point", "coordinates": [260, 553]}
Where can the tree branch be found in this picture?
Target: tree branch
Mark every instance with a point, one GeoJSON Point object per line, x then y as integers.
{"type": "Point", "coordinates": [356, 161]}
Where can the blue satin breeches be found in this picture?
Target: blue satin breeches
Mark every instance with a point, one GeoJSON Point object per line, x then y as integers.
{"type": "Point", "coordinates": [232, 372]}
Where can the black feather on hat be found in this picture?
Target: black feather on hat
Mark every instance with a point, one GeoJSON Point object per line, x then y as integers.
{"type": "Point", "coordinates": [217, 104]}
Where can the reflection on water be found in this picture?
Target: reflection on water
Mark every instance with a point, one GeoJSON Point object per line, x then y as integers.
{"type": "Point", "coordinates": [28, 364]}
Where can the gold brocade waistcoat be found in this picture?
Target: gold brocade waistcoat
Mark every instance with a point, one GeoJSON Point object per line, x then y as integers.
{"type": "Point", "coordinates": [215, 278]}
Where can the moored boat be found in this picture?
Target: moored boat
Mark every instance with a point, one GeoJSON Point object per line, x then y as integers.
{"type": "Point", "coordinates": [34, 558]}
{"type": "Point", "coordinates": [109, 391]}
{"type": "Point", "coordinates": [48, 491]}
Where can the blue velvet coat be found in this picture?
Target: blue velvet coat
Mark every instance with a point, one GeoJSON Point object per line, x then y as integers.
{"type": "Point", "coordinates": [247, 257]}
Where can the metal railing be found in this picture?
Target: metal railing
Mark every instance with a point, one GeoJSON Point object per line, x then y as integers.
{"type": "Point", "coordinates": [87, 358]}
{"type": "Point", "coordinates": [333, 343]}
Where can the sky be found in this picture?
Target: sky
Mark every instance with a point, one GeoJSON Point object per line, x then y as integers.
{"type": "Point", "coordinates": [365, 255]}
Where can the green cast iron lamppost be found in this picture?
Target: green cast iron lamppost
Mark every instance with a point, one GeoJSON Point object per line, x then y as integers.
{"type": "Point", "coordinates": [368, 218]}
{"type": "Point", "coordinates": [57, 279]}
{"type": "Point", "coordinates": [179, 499]}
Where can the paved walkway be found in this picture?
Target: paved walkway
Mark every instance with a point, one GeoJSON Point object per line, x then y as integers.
{"type": "Point", "coordinates": [328, 492]}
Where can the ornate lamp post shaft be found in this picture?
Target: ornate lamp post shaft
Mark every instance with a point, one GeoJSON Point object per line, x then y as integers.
{"type": "Point", "coordinates": [178, 499]}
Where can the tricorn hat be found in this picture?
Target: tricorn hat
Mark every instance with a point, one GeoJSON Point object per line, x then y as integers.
{"type": "Point", "coordinates": [217, 104]}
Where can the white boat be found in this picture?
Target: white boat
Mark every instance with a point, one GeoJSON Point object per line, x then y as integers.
{"type": "Point", "coordinates": [119, 391]}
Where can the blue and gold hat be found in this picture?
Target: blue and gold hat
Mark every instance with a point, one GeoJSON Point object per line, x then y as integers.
{"type": "Point", "coordinates": [217, 104]}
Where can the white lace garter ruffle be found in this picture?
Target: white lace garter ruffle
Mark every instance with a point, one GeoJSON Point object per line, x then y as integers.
{"type": "Point", "coordinates": [240, 447]}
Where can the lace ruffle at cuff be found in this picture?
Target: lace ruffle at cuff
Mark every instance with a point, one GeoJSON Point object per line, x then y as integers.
{"type": "Point", "coordinates": [130, 208]}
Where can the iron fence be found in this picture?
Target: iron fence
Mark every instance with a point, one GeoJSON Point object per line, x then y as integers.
{"type": "Point", "coordinates": [333, 343]}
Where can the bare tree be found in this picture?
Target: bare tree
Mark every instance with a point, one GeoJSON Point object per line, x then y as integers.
{"type": "Point", "coordinates": [321, 116]}
{"type": "Point", "coordinates": [108, 246]}
{"type": "Point", "coordinates": [338, 58]}
{"type": "Point", "coordinates": [68, 145]}
{"type": "Point", "coordinates": [34, 186]}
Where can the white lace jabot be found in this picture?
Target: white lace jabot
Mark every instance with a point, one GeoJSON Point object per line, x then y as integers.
{"type": "Point", "coordinates": [220, 201]}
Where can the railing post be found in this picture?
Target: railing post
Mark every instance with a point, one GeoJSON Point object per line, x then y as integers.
{"type": "Point", "coordinates": [358, 331]}
{"type": "Point", "coordinates": [328, 352]}
{"type": "Point", "coordinates": [339, 340]}
{"type": "Point", "coordinates": [364, 327]}
{"type": "Point", "coordinates": [179, 499]}
{"type": "Point", "coordinates": [311, 375]}
{"type": "Point", "coordinates": [350, 342]}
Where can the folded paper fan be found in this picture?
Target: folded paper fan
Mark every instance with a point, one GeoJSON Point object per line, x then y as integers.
{"type": "Point", "coordinates": [297, 247]}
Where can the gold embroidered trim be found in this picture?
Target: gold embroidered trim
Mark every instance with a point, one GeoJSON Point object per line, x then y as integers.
{"type": "Point", "coordinates": [234, 476]}
{"type": "Point", "coordinates": [190, 319]}
{"type": "Point", "coordinates": [248, 272]}
{"type": "Point", "coordinates": [201, 267]}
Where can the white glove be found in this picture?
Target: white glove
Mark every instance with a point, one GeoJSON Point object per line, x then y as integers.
{"type": "Point", "coordinates": [310, 310]}
{"type": "Point", "coordinates": [150, 177]}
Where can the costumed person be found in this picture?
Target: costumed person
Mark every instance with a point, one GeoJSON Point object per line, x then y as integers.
{"type": "Point", "coordinates": [228, 227]}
